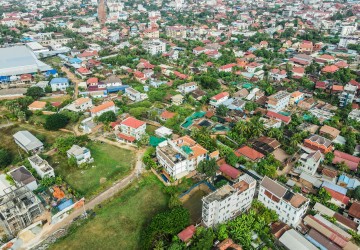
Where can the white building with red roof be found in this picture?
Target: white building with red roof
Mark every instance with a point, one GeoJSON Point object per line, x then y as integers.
{"type": "Point", "coordinates": [219, 99]}
{"type": "Point", "coordinates": [132, 129]}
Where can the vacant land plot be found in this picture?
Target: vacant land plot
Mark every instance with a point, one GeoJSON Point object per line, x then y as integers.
{"type": "Point", "coordinates": [192, 201]}
{"type": "Point", "coordinates": [110, 164]}
{"type": "Point", "coordinates": [118, 224]}
{"type": "Point", "coordinates": [7, 140]}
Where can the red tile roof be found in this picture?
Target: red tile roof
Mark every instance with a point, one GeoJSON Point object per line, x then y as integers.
{"type": "Point", "coordinates": [338, 196]}
{"type": "Point", "coordinates": [167, 114]}
{"type": "Point", "coordinates": [126, 137]}
{"type": "Point", "coordinates": [337, 88]}
{"type": "Point", "coordinates": [351, 161]}
{"type": "Point", "coordinates": [283, 118]}
{"type": "Point", "coordinates": [330, 69]}
{"type": "Point", "coordinates": [102, 106]}
{"type": "Point", "coordinates": [354, 210]}
{"type": "Point", "coordinates": [248, 152]}
{"type": "Point", "coordinates": [187, 233]}
{"type": "Point", "coordinates": [219, 96]}
{"type": "Point", "coordinates": [230, 171]}
{"type": "Point", "coordinates": [132, 122]}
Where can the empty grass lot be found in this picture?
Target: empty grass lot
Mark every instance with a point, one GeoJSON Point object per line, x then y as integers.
{"type": "Point", "coordinates": [110, 164]}
{"type": "Point", "coordinates": [118, 224]}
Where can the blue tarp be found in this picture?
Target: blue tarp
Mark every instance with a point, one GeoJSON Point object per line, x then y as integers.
{"type": "Point", "coordinates": [65, 204]}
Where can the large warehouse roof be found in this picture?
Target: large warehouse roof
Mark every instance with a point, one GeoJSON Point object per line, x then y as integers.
{"type": "Point", "coordinates": [19, 60]}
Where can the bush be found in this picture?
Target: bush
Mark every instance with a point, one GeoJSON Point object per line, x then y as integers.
{"type": "Point", "coordinates": [35, 92]}
{"type": "Point", "coordinates": [107, 117]}
{"type": "Point", "coordinates": [5, 158]}
{"type": "Point", "coordinates": [56, 121]}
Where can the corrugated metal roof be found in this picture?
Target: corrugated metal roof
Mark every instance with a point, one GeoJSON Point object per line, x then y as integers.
{"type": "Point", "coordinates": [295, 241]}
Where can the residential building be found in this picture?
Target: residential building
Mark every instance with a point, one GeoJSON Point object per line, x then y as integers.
{"type": "Point", "coordinates": [177, 99]}
{"type": "Point", "coordinates": [296, 97]}
{"type": "Point", "coordinates": [348, 95]}
{"type": "Point", "coordinates": [317, 142]}
{"type": "Point", "coordinates": [28, 142]}
{"type": "Point", "coordinates": [187, 87]}
{"type": "Point", "coordinates": [176, 32]}
{"type": "Point", "coordinates": [352, 162]}
{"type": "Point", "coordinates": [18, 208]}
{"type": "Point", "coordinates": [134, 95]}
{"type": "Point", "coordinates": [329, 132]}
{"type": "Point", "coordinates": [133, 127]}
{"type": "Point", "coordinates": [102, 108]}
{"type": "Point", "coordinates": [338, 194]}
{"type": "Point", "coordinates": [288, 205]}
{"type": "Point", "coordinates": [37, 105]}
{"type": "Point", "coordinates": [154, 47]}
{"type": "Point", "coordinates": [309, 163]}
{"type": "Point", "coordinates": [293, 240]}
{"type": "Point", "coordinates": [228, 201]}
{"type": "Point", "coordinates": [23, 177]}
{"type": "Point", "coordinates": [354, 212]}
{"type": "Point", "coordinates": [279, 101]}
{"type": "Point", "coordinates": [355, 115]}
{"type": "Point", "coordinates": [249, 153]}
{"type": "Point", "coordinates": [219, 99]}
{"type": "Point", "coordinates": [332, 232]}
{"type": "Point", "coordinates": [59, 84]}
{"type": "Point", "coordinates": [80, 105]}
{"type": "Point", "coordinates": [42, 167]}
{"type": "Point", "coordinates": [179, 157]}
{"type": "Point", "coordinates": [277, 74]}
{"type": "Point", "coordinates": [81, 154]}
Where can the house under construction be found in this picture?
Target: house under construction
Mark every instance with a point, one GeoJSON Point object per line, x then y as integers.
{"type": "Point", "coordinates": [18, 208]}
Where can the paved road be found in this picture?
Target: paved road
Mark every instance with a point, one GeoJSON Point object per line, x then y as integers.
{"type": "Point", "coordinates": [50, 229]}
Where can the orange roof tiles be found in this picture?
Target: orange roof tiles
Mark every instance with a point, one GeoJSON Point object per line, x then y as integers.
{"type": "Point", "coordinates": [132, 122]}
{"type": "Point", "coordinates": [37, 105]}
{"type": "Point", "coordinates": [248, 152]}
{"type": "Point", "coordinates": [102, 106]}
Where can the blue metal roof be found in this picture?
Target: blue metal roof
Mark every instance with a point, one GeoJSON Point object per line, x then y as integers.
{"type": "Point", "coordinates": [344, 179]}
{"type": "Point", "coordinates": [59, 80]}
{"type": "Point", "coordinates": [334, 187]}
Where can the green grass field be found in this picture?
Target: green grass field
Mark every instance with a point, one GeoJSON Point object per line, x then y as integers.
{"type": "Point", "coordinates": [110, 164]}
{"type": "Point", "coordinates": [118, 224]}
{"type": "Point", "coordinates": [7, 140]}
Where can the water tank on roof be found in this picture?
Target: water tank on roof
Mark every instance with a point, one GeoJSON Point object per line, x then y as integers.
{"type": "Point", "coordinates": [146, 88]}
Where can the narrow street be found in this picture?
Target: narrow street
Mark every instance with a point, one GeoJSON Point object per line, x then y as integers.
{"type": "Point", "coordinates": [74, 79]}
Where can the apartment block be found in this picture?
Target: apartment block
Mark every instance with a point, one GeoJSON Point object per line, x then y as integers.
{"type": "Point", "coordinates": [309, 163]}
{"type": "Point", "coordinates": [279, 101]}
{"type": "Point", "coordinates": [179, 157]}
{"type": "Point", "coordinates": [228, 201]}
{"type": "Point", "coordinates": [288, 205]}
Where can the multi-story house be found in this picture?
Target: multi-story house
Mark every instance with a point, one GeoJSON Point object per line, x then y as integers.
{"type": "Point", "coordinates": [348, 95]}
{"type": "Point", "coordinates": [133, 127]}
{"type": "Point", "coordinates": [18, 208]}
{"type": "Point", "coordinates": [288, 205]}
{"type": "Point", "coordinates": [179, 157]}
{"type": "Point", "coordinates": [80, 105]}
{"type": "Point", "coordinates": [102, 108]}
{"type": "Point", "coordinates": [151, 33]}
{"type": "Point", "coordinates": [81, 154]}
{"type": "Point", "coordinates": [355, 115]}
{"type": "Point", "coordinates": [219, 99]}
{"type": "Point", "coordinates": [59, 84]}
{"type": "Point", "coordinates": [228, 201]}
{"type": "Point", "coordinates": [133, 94]}
{"type": "Point", "coordinates": [279, 101]}
{"type": "Point", "coordinates": [296, 97]}
{"type": "Point", "coordinates": [176, 32]}
{"type": "Point", "coordinates": [187, 87]}
{"type": "Point", "coordinates": [309, 163]}
{"type": "Point", "coordinates": [317, 142]}
{"type": "Point", "coordinates": [154, 47]}
{"type": "Point", "coordinates": [42, 167]}
{"type": "Point", "coordinates": [277, 74]}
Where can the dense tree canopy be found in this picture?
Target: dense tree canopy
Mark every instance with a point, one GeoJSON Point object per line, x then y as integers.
{"type": "Point", "coordinates": [56, 121]}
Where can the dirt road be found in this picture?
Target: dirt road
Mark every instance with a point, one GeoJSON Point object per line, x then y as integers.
{"type": "Point", "coordinates": [74, 79]}
{"type": "Point", "coordinates": [112, 191]}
